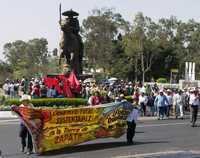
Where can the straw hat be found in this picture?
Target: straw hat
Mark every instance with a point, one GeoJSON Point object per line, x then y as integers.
{"type": "Point", "coordinates": [192, 89]}
{"type": "Point", "coordinates": [25, 97]}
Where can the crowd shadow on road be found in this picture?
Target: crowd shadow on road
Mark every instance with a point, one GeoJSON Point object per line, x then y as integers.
{"type": "Point", "coordinates": [96, 146]}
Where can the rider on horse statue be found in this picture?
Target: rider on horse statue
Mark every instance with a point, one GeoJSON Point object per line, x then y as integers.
{"type": "Point", "coordinates": [71, 44]}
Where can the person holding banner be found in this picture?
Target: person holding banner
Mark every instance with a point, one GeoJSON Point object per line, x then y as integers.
{"type": "Point", "coordinates": [24, 133]}
{"type": "Point", "coordinates": [131, 123]}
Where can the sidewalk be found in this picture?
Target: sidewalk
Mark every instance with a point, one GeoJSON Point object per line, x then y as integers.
{"type": "Point", "coordinates": [7, 114]}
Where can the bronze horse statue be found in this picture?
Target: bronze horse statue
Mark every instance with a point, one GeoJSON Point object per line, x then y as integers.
{"type": "Point", "coordinates": [72, 52]}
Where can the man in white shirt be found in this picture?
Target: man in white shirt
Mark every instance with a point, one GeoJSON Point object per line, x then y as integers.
{"type": "Point", "coordinates": [131, 123]}
{"type": "Point", "coordinates": [194, 101]}
{"type": "Point", "coordinates": [6, 87]}
{"type": "Point", "coordinates": [178, 101]}
{"type": "Point", "coordinates": [143, 102]}
{"type": "Point", "coordinates": [12, 90]}
{"type": "Point", "coordinates": [170, 101]}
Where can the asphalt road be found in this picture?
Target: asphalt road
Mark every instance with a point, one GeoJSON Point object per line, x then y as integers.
{"type": "Point", "coordinates": [153, 138]}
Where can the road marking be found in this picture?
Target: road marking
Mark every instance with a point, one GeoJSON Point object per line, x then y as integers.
{"type": "Point", "coordinates": [163, 124]}
{"type": "Point", "coordinates": [157, 154]}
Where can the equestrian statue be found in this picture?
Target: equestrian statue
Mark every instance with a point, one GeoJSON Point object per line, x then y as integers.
{"type": "Point", "coordinates": [71, 45]}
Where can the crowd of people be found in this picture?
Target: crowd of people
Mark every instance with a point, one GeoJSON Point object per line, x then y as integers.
{"type": "Point", "coordinates": [151, 100]}
{"type": "Point", "coordinates": [35, 87]}
{"type": "Point", "coordinates": [148, 100]}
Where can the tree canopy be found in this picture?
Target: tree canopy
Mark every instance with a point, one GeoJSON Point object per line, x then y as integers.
{"type": "Point", "coordinates": [146, 47]}
{"type": "Point", "coordinates": [138, 50]}
{"type": "Point", "coordinates": [27, 58]}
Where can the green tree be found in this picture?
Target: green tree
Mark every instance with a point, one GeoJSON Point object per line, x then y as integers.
{"type": "Point", "coordinates": [6, 71]}
{"type": "Point", "coordinates": [120, 68]}
{"type": "Point", "coordinates": [141, 44]}
{"type": "Point", "coordinates": [27, 58]}
{"type": "Point", "coordinates": [100, 30]}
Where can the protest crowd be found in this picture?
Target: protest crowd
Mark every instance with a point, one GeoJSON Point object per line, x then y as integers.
{"type": "Point", "coordinates": [148, 100]}
{"type": "Point", "coordinates": [151, 100]}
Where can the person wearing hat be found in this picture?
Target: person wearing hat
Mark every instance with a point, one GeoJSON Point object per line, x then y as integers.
{"type": "Point", "coordinates": [24, 133]}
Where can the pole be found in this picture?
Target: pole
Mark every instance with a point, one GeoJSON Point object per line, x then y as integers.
{"type": "Point", "coordinates": [186, 71]}
{"type": "Point", "coordinates": [60, 10]}
{"type": "Point", "coordinates": [193, 71]}
{"type": "Point", "coordinates": [60, 20]}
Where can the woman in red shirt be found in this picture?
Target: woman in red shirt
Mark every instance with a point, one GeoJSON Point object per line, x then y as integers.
{"type": "Point", "coordinates": [95, 99]}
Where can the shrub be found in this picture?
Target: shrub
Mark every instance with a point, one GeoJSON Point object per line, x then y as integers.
{"type": "Point", "coordinates": [50, 102]}
{"type": "Point", "coordinates": [56, 102]}
{"type": "Point", "coordinates": [5, 108]}
{"type": "Point", "coordinates": [2, 97]}
{"type": "Point", "coordinates": [161, 80]}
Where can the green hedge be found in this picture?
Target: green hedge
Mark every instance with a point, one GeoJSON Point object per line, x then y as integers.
{"type": "Point", "coordinates": [50, 102]}
{"type": "Point", "coordinates": [55, 102]}
{"type": "Point", "coordinates": [5, 108]}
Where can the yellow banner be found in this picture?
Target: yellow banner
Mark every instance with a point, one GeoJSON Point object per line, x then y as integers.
{"type": "Point", "coordinates": [53, 129]}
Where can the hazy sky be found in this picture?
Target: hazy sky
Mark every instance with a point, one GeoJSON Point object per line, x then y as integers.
{"type": "Point", "coordinates": [27, 19]}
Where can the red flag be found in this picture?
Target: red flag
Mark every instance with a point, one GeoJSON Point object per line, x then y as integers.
{"type": "Point", "coordinates": [69, 84]}
{"type": "Point", "coordinates": [67, 89]}
{"type": "Point", "coordinates": [74, 83]}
